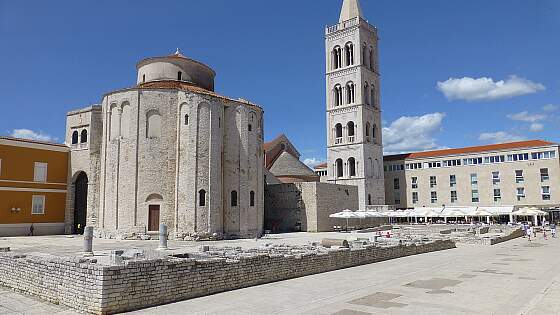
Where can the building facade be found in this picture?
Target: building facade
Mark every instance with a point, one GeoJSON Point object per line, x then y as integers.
{"type": "Point", "coordinates": [518, 174]}
{"type": "Point", "coordinates": [33, 189]}
{"type": "Point", "coordinates": [354, 140]}
{"type": "Point", "coordinates": [169, 150]}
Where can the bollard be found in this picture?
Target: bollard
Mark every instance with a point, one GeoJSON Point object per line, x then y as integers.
{"type": "Point", "coordinates": [88, 241]}
{"type": "Point", "coordinates": [162, 237]}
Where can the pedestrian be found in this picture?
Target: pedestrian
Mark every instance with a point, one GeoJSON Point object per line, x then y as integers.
{"type": "Point", "coordinates": [524, 229]}
{"type": "Point", "coordinates": [544, 233]}
{"type": "Point", "coordinates": [553, 230]}
{"type": "Point", "coordinates": [534, 229]}
{"type": "Point", "coordinates": [31, 230]}
{"type": "Point", "coordinates": [530, 232]}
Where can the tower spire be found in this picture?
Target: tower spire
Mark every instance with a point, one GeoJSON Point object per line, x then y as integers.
{"type": "Point", "coordinates": [350, 10]}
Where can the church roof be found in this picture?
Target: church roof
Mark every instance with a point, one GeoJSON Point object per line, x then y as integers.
{"type": "Point", "coordinates": [350, 9]}
{"type": "Point", "coordinates": [288, 165]}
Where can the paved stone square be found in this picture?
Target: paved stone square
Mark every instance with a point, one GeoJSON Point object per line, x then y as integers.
{"type": "Point", "coordinates": [516, 277]}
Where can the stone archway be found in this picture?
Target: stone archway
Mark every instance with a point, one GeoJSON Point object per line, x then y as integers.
{"type": "Point", "coordinates": [80, 203]}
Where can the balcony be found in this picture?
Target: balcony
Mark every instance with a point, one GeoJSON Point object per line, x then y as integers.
{"type": "Point", "coordinates": [351, 139]}
{"type": "Point", "coordinates": [338, 140]}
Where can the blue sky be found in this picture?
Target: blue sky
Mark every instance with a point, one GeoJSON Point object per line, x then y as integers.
{"type": "Point", "coordinates": [453, 73]}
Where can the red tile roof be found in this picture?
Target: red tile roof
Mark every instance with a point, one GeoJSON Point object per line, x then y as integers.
{"type": "Point", "coordinates": [321, 166]}
{"type": "Point", "coordinates": [466, 150]}
{"type": "Point", "coordinates": [33, 141]}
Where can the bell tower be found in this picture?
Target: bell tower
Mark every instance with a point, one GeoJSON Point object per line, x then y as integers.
{"type": "Point", "coordinates": [354, 140]}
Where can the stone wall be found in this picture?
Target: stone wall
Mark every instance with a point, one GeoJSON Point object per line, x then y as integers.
{"type": "Point", "coordinates": [497, 240]}
{"type": "Point", "coordinates": [93, 288]}
{"type": "Point", "coordinates": [306, 206]}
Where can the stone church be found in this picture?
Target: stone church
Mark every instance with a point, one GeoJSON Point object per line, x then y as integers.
{"type": "Point", "coordinates": [168, 150]}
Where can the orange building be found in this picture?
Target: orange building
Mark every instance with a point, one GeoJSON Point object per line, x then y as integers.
{"type": "Point", "coordinates": [33, 186]}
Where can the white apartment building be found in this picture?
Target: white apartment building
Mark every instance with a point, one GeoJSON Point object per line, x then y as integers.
{"type": "Point", "coordinates": [525, 173]}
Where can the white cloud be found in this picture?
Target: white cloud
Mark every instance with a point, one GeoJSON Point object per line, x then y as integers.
{"type": "Point", "coordinates": [486, 89]}
{"type": "Point", "coordinates": [525, 116]}
{"type": "Point", "coordinates": [499, 137]}
{"type": "Point", "coordinates": [414, 133]}
{"type": "Point", "coordinates": [30, 134]}
{"type": "Point", "coordinates": [551, 108]}
{"type": "Point", "coordinates": [536, 127]}
{"type": "Point", "coordinates": [312, 162]}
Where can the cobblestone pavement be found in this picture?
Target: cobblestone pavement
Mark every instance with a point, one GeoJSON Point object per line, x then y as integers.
{"type": "Point", "coordinates": [14, 303]}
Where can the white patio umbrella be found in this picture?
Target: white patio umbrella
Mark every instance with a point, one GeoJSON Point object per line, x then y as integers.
{"type": "Point", "coordinates": [345, 214]}
{"type": "Point", "coordinates": [529, 211]}
{"type": "Point", "coordinates": [483, 213]}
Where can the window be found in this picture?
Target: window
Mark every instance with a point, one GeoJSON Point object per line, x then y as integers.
{"type": "Point", "coordinates": [374, 132]}
{"type": "Point", "coordinates": [474, 180]}
{"type": "Point", "coordinates": [472, 161]}
{"type": "Point", "coordinates": [366, 93]}
{"type": "Point", "coordinates": [497, 195]}
{"type": "Point", "coordinates": [413, 166]}
{"type": "Point", "coordinates": [518, 157]}
{"type": "Point", "coordinates": [433, 181]}
{"type": "Point", "coordinates": [202, 198]}
{"type": "Point", "coordinates": [83, 136]}
{"type": "Point", "coordinates": [519, 176]}
{"type": "Point", "coordinates": [38, 205]}
{"type": "Point", "coordinates": [545, 191]}
{"type": "Point", "coordinates": [368, 126]}
{"type": "Point", "coordinates": [364, 55]}
{"type": "Point", "coordinates": [75, 137]}
{"type": "Point", "coordinates": [452, 181]}
{"type": "Point", "coordinates": [414, 197]}
{"type": "Point", "coordinates": [433, 196]}
{"type": "Point", "coordinates": [520, 193]}
{"type": "Point", "coordinates": [179, 76]}
{"type": "Point", "coordinates": [337, 57]}
{"type": "Point", "coordinates": [433, 164]}
{"type": "Point", "coordinates": [543, 155]}
{"type": "Point", "coordinates": [40, 174]}
{"type": "Point", "coordinates": [338, 133]}
{"type": "Point", "coordinates": [234, 198]}
{"type": "Point", "coordinates": [397, 198]}
{"type": "Point", "coordinates": [352, 167]}
{"type": "Point", "coordinates": [143, 78]}
{"type": "Point", "coordinates": [250, 127]}
{"type": "Point", "coordinates": [396, 184]}
{"type": "Point", "coordinates": [454, 196]}
{"type": "Point", "coordinates": [349, 54]}
{"type": "Point", "coordinates": [337, 95]}
{"type": "Point", "coordinates": [339, 168]}
{"type": "Point", "coordinates": [452, 163]}
{"type": "Point", "coordinates": [350, 93]}
{"type": "Point", "coordinates": [351, 131]}
{"type": "Point", "coordinates": [371, 64]}
{"type": "Point", "coordinates": [495, 178]}
{"type": "Point", "coordinates": [414, 182]}
{"type": "Point", "coordinates": [475, 196]}
{"type": "Point", "coordinates": [186, 120]}
{"type": "Point", "coordinates": [252, 198]}
{"type": "Point", "coordinates": [369, 199]}
{"type": "Point", "coordinates": [372, 94]}
{"type": "Point", "coordinates": [544, 175]}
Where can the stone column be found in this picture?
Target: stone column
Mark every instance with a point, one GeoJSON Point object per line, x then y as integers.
{"type": "Point", "coordinates": [88, 241]}
{"type": "Point", "coordinates": [536, 218]}
{"type": "Point", "coordinates": [162, 237]}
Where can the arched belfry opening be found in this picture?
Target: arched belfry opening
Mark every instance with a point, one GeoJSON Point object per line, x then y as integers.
{"type": "Point", "coordinates": [80, 203]}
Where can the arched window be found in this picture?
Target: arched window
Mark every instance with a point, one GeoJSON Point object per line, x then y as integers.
{"type": "Point", "coordinates": [115, 118]}
{"type": "Point", "coordinates": [252, 198]}
{"type": "Point", "coordinates": [369, 199]}
{"type": "Point", "coordinates": [372, 94]}
{"type": "Point", "coordinates": [349, 48]}
{"type": "Point", "coordinates": [337, 57]}
{"type": "Point", "coordinates": [366, 93]}
{"type": "Point", "coordinates": [338, 133]}
{"type": "Point", "coordinates": [352, 166]}
{"type": "Point", "coordinates": [350, 95]}
{"type": "Point", "coordinates": [374, 132]}
{"type": "Point", "coordinates": [179, 75]}
{"type": "Point", "coordinates": [202, 198]}
{"type": "Point", "coordinates": [371, 64]}
{"type": "Point", "coordinates": [75, 137]}
{"type": "Point", "coordinates": [368, 127]}
{"type": "Point", "coordinates": [186, 120]}
{"type": "Point", "coordinates": [83, 136]}
{"type": "Point", "coordinates": [153, 126]}
{"type": "Point", "coordinates": [351, 131]}
{"type": "Point", "coordinates": [126, 120]}
{"type": "Point", "coordinates": [337, 95]}
{"type": "Point", "coordinates": [143, 78]}
{"type": "Point", "coordinates": [234, 198]}
{"type": "Point", "coordinates": [250, 127]}
{"type": "Point", "coordinates": [339, 168]}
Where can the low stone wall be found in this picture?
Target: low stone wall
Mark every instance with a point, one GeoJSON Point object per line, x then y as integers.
{"type": "Point", "coordinates": [496, 240]}
{"type": "Point", "coordinates": [93, 288]}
